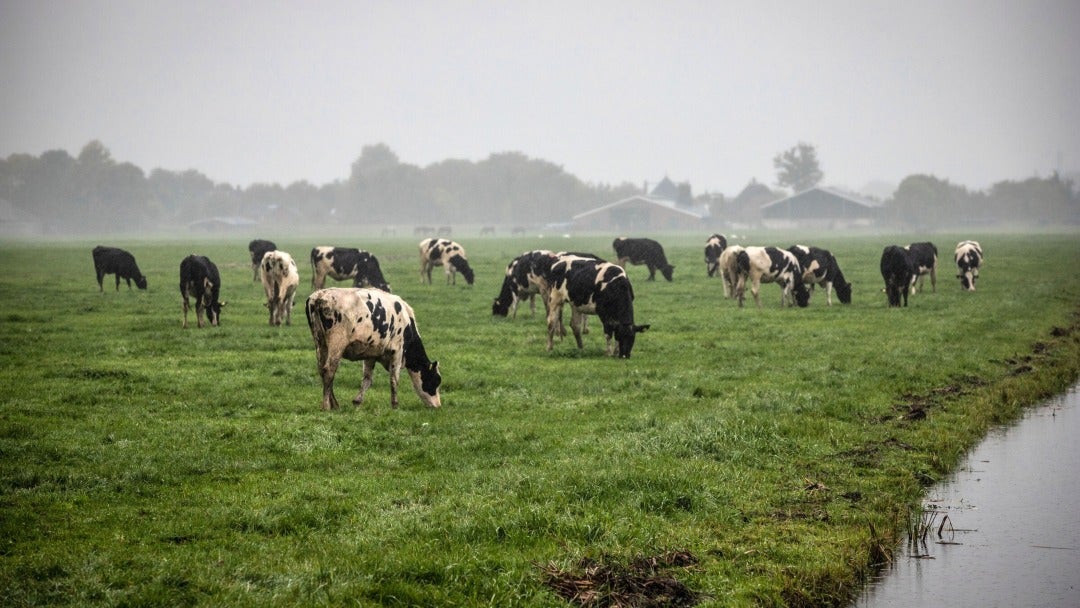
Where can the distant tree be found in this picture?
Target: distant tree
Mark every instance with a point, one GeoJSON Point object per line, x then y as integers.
{"type": "Point", "coordinates": [798, 168]}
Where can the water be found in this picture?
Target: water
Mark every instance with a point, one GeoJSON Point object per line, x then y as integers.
{"type": "Point", "coordinates": [1014, 512]}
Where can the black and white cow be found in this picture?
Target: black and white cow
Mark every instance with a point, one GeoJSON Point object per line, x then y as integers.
{"type": "Point", "coordinates": [771, 265]}
{"type": "Point", "coordinates": [258, 249]}
{"type": "Point", "coordinates": [642, 251]}
{"type": "Point", "coordinates": [729, 270]}
{"type": "Point", "coordinates": [820, 268]}
{"type": "Point", "coordinates": [111, 260]}
{"type": "Point", "coordinates": [923, 258]}
{"type": "Point", "coordinates": [280, 280]}
{"type": "Point", "coordinates": [593, 287]}
{"type": "Point", "coordinates": [713, 248]}
{"type": "Point", "coordinates": [898, 270]}
{"type": "Point", "coordinates": [448, 254]}
{"type": "Point", "coordinates": [340, 263]}
{"type": "Point", "coordinates": [372, 326]}
{"type": "Point", "coordinates": [968, 256]}
{"type": "Point", "coordinates": [199, 279]}
{"type": "Point", "coordinates": [521, 282]}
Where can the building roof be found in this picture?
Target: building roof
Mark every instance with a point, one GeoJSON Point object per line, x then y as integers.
{"type": "Point", "coordinates": [670, 205]}
{"type": "Point", "coordinates": [846, 196]}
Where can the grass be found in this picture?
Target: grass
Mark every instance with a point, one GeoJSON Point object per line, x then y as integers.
{"type": "Point", "coordinates": [783, 449]}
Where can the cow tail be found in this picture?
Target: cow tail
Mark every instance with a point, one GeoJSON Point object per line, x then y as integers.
{"type": "Point", "coordinates": [742, 262]}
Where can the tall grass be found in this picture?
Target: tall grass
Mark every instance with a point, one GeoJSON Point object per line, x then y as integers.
{"type": "Point", "coordinates": [141, 463]}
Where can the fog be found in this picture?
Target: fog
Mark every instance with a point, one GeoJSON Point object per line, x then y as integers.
{"type": "Point", "coordinates": [705, 93]}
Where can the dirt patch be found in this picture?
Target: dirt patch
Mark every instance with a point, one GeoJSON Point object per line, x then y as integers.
{"type": "Point", "coordinates": [644, 582]}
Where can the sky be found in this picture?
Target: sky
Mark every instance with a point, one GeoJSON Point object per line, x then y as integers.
{"type": "Point", "coordinates": [705, 92]}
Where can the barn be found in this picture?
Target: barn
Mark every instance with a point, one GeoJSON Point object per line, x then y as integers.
{"type": "Point", "coordinates": [821, 207]}
{"type": "Point", "coordinates": [666, 207]}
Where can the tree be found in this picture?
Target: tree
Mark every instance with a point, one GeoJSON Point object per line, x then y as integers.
{"type": "Point", "coordinates": [798, 168]}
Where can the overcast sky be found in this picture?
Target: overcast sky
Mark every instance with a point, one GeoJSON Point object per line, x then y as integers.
{"type": "Point", "coordinates": [706, 92]}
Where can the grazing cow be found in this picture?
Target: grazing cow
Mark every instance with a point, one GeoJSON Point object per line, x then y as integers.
{"type": "Point", "coordinates": [923, 258]}
{"type": "Point", "coordinates": [487, 231]}
{"type": "Point", "coordinates": [898, 271]}
{"type": "Point", "coordinates": [374, 327]}
{"type": "Point", "coordinates": [258, 248]}
{"type": "Point", "coordinates": [771, 265]}
{"type": "Point", "coordinates": [729, 271]}
{"type": "Point", "coordinates": [448, 254]}
{"type": "Point", "coordinates": [820, 268]}
{"type": "Point", "coordinates": [968, 258]}
{"type": "Point", "coordinates": [280, 280]}
{"type": "Point", "coordinates": [521, 282]}
{"type": "Point", "coordinates": [110, 260]}
{"type": "Point", "coordinates": [199, 279]}
{"type": "Point", "coordinates": [340, 263]}
{"type": "Point", "coordinates": [713, 248]}
{"type": "Point", "coordinates": [593, 287]}
{"type": "Point", "coordinates": [642, 251]}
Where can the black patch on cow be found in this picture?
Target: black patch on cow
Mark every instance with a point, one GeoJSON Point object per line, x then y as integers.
{"type": "Point", "coordinates": [378, 318]}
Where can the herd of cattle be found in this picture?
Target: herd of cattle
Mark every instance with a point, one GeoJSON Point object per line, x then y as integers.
{"type": "Point", "coordinates": [368, 323]}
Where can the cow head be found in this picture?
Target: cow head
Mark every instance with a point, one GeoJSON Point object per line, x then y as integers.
{"type": "Point", "coordinates": [967, 280]}
{"type": "Point", "coordinates": [140, 282]}
{"type": "Point", "coordinates": [666, 271]}
{"type": "Point", "coordinates": [426, 382]}
{"type": "Point", "coordinates": [843, 291]}
{"type": "Point", "coordinates": [462, 266]}
{"type": "Point", "coordinates": [625, 335]}
{"type": "Point", "coordinates": [501, 306]}
{"type": "Point", "coordinates": [802, 294]}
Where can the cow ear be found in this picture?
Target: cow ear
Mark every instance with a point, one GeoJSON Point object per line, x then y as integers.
{"type": "Point", "coordinates": [434, 366]}
{"type": "Point", "coordinates": [641, 328]}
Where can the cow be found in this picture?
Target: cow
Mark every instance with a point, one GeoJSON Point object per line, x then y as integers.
{"type": "Point", "coordinates": [923, 258]}
{"type": "Point", "coordinates": [714, 246]}
{"type": "Point", "coordinates": [111, 260]}
{"type": "Point", "coordinates": [729, 270]}
{"type": "Point", "coordinates": [258, 248]}
{"type": "Point", "coordinates": [593, 287]}
{"type": "Point", "coordinates": [340, 263]}
{"type": "Point", "coordinates": [521, 282]}
{"type": "Point", "coordinates": [280, 280]}
{"type": "Point", "coordinates": [642, 251]}
{"type": "Point", "coordinates": [448, 254]}
{"type": "Point", "coordinates": [199, 279]}
{"type": "Point", "coordinates": [373, 326]}
{"type": "Point", "coordinates": [771, 265]}
{"type": "Point", "coordinates": [968, 256]}
{"type": "Point", "coordinates": [898, 270]}
{"type": "Point", "coordinates": [820, 268]}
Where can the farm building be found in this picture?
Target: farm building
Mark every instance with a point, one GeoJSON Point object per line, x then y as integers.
{"type": "Point", "coordinates": [667, 207]}
{"type": "Point", "coordinates": [821, 207]}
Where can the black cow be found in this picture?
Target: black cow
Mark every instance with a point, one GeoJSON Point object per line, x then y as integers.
{"type": "Point", "coordinates": [111, 260]}
{"type": "Point", "coordinates": [258, 249]}
{"type": "Point", "coordinates": [340, 263]}
{"type": "Point", "coordinates": [713, 248]}
{"type": "Point", "coordinates": [968, 257]}
{"type": "Point", "coordinates": [522, 281]}
{"type": "Point", "coordinates": [642, 251]}
{"type": "Point", "coordinates": [820, 268]}
{"type": "Point", "coordinates": [448, 254]}
{"type": "Point", "coordinates": [898, 271]}
{"type": "Point", "coordinates": [923, 257]}
{"type": "Point", "coordinates": [199, 279]}
{"type": "Point", "coordinates": [593, 287]}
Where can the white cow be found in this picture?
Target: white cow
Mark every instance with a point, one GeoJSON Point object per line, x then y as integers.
{"type": "Point", "coordinates": [771, 265]}
{"type": "Point", "coordinates": [280, 280]}
{"type": "Point", "coordinates": [372, 326]}
{"type": "Point", "coordinates": [446, 253]}
{"type": "Point", "coordinates": [968, 258]}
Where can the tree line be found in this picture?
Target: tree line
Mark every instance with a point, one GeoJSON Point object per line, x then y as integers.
{"type": "Point", "coordinates": [93, 193]}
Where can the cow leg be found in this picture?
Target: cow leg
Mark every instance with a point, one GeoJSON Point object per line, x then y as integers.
{"type": "Point", "coordinates": [118, 282]}
{"type": "Point", "coordinates": [365, 384]}
{"type": "Point", "coordinates": [755, 290]}
{"type": "Point", "coordinates": [828, 293]}
{"type": "Point", "coordinates": [328, 367]}
{"type": "Point", "coordinates": [554, 323]}
{"type": "Point", "coordinates": [185, 310]}
{"type": "Point", "coordinates": [652, 272]}
{"type": "Point", "coordinates": [933, 278]}
{"type": "Point", "coordinates": [576, 320]}
{"type": "Point", "coordinates": [395, 373]}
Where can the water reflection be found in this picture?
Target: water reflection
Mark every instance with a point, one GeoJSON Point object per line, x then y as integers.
{"type": "Point", "coordinates": [1009, 523]}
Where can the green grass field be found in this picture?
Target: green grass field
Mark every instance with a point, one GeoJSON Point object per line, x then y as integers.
{"type": "Point", "coordinates": [742, 456]}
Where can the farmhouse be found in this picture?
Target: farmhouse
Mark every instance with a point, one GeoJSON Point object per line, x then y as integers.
{"type": "Point", "coordinates": [820, 207]}
{"type": "Point", "coordinates": [667, 207]}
